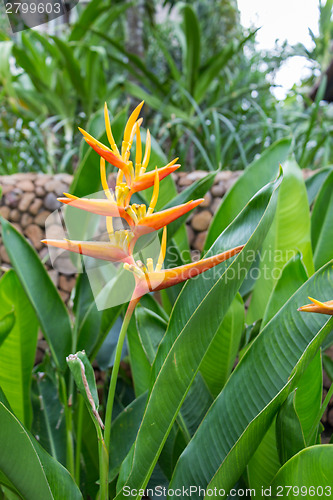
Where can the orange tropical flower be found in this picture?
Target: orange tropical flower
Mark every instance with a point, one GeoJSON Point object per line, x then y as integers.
{"type": "Point", "coordinates": [151, 278]}
{"type": "Point", "coordinates": [318, 307]}
{"type": "Point", "coordinates": [139, 218]}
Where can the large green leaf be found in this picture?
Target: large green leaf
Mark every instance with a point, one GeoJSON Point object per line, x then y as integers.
{"type": "Point", "coordinates": [191, 329]}
{"type": "Point", "coordinates": [267, 373]}
{"type": "Point", "coordinates": [220, 358]}
{"type": "Point", "coordinates": [124, 431]}
{"type": "Point", "coordinates": [34, 474]}
{"type": "Point", "coordinates": [6, 324]}
{"type": "Point", "coordinates": [289, 234]}
{"type": "Point", "coordinates": [254, 178]}
{"type": "Point", "coordinates": [192, 48]}
{"type": "Point", "coordinates": [322, 224]}
{"type": "Point", "coordinates": [17, 353]}
{"type": "Point", "coordinates": [292, 277]}
{"type": "Point", "coordinates": [43, 295]}
{"type": "Point", "coordinates": [315, 181]}
{"type": "Point", "coordinates": [49, 419]}
{"type": "Point", "coordinates": [298, 413]}
{"type": "Point", "coordinates": [308, 474]}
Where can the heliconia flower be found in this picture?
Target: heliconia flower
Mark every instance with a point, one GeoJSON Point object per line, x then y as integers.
{"type": "Point", "coordinates": [137, 179]}
{"type": "Point", "coordinates": [151, 278]}
{"type": "Point", "coordinates": [318, 307]}
{"type": "Point", "coordinates": [140, 218]}
{"type": "Point", "coordinates": [115, 250]}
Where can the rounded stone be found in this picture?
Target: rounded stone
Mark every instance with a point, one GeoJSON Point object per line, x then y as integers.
{"type": "Point", "coordinates": [215, 205]}
{"type": "Point", "coordinates": [67, 283]}
{"type": "Point", "coordinates": [55, 186]}
{"type": "Point", "coordinates": [207, 200]}
{"type": "Point", "coordinates": [35, 235]}
{"type": "Point", "coordinates": [4, 212]}
{"type": "Point", "coordinates": [201, 220]}
{"type": "Point", "coordinates": [13, 198]}
{"type": "Point", "coordinates": [35, 206]}
{"type": "Point", "coordinates": [40, 191]}
{"type": "Point", "coordinates": [14, 215]}
{"type": "Point", "coordinates": [4, 255]}
{"type": "Point", "coordinates": [219, 189]}
{"type": "Point", "coordinates": [25, 201]}
{"type": "Point", "coordinates": [26, 220]}
{"type": "Point", "coordinates": [51, 202]}
{"type": "Point", "coordinates": [26, 186]}
{"type": "Point", "coordinates": [200, 241]}
{"type": "Point", "coordinates": [40, 219]}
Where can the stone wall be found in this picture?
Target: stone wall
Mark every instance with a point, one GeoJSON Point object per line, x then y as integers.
{"type": "Point", "coordinates": [28, 199]}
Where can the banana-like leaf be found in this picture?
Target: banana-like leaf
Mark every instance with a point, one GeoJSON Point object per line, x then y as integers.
{"type": "Point", "coordinates": [191, 61]}
{"type": "Point", "coordinates": [34, 474]}
{"type": "Point", "coordinates": [264, 463]}
{"type": "Point", "coordinates": [151, 329]}
{"type": "Point", "coordinates": [140, 366]}
{"type": "Point", "coordinates": [49, 419]}
{"type": "Point", "coordinates": [293, 276]}
{"type": "Point", "coordinates": [267, 373]}
{"type": "Point", "coordinates": [6, 324]}
{"type": "Point", "coordinates": [315, 181]}
{"type": "Point", "coordinates": [220, 358]}
{"type": "Point", "coordinates": [308, 474]}
{"type": "Point", "coordinates": [298, 413]}
{"type": "Point", "coordinates": [124, 431]}
{"type": "Point", "coordinates": [191, 329]}
{"type": "Point", "coordinates": [322, 224]}
{"type": "Point", "coordinates": [17, 353]}
{"type": "Point", "coordinates": [257, 174]}
{"type": "Point", "coordinates": [43, 295]}
{"type": "Point", "coordinates": [289, 233]}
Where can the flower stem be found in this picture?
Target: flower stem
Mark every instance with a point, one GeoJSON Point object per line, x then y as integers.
{"type": "Point", "coordinates": [115, 370]}
{"type": "Point", "coordinates": [69, 434]}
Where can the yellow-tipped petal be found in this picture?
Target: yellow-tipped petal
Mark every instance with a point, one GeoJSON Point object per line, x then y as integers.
{"type": "Point", "coordinates": [146, 157]}
{"type": "Point", "coordinates": [318, 307]}
{"type": "Point", "coordinates": [154, 197]}
{"type": "Point", "coordinates": [161, 257]}
{"type": "Point", "coordinates": [138, 152]}
{"type": "Point", "coordinates": [131, 122]}
{"type": "Point", "coordinates": [109, 131]}
{"type": "Point", "coordinates": [92, 141]}
{"type": "Point", "coordinates": [104, 180]}
{"type": "Point", "coordinates": [97, 249]}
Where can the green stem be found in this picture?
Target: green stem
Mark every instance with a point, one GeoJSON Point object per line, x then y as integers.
{"type": "Point", "coordinates": [103, 466]}
{"type": "Point", "coordinates": [69, 435]}
{"type": "Point", "coordinates": [79, 429]}
{"type": "Point", "coordinates": [115, 370]}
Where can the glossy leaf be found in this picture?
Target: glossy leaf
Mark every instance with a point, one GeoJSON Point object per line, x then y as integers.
{"type": "Point", "coordinates": [41, 292]}
{"type": "Point", "coordinates": [314, 182]}
{"type": "Point", "coordinates": [17, 353]}
{"type": "Point", "coordinates": [49, 419]}
{"type": "Point", "coordinates": [289, 233]}
{"type": "Point", "coordinates": [34, 474]}
{"type": "Point", "coordinates": [322, 224]}
{"type": "Point", "coordinates": [257, 174]}
{"type": "Point", "coordinates": [6, 324]}
{"type": "Point", "coordinates": [311, 469]}
{"type": "Point", "coordinates": [220, 358]}
{"type": "Point", "coordinates": [267, 373]}
{"type": "Point", "coordinates": [191, 328]}
{"type": "Point", "coordinates": [292, 277]}
{"type": "Point", "coordinates": [124, 431]}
